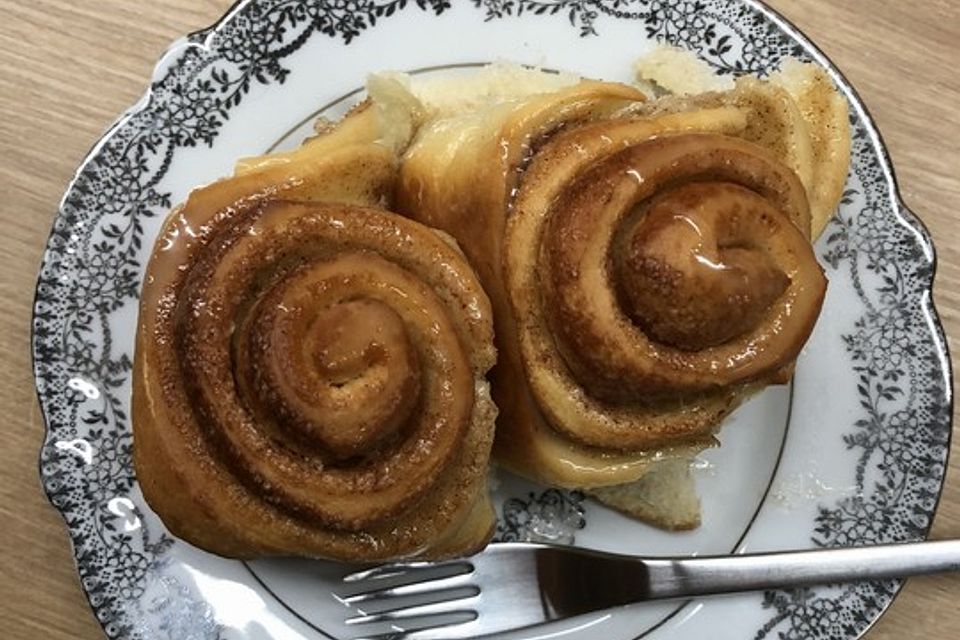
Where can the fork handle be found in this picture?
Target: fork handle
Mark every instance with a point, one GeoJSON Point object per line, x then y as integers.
{"type": "Point", "coordinates": [682, 577]}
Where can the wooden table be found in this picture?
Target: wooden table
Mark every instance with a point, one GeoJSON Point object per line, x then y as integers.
{"type": "Point", "coordinates": [69, 67]}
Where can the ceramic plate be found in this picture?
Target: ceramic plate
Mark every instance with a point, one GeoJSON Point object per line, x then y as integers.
{"type": "Point", "coordinates": [853, 452]}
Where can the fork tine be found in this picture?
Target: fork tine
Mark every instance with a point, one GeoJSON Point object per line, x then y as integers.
{"type": "Point", "coordinates": [418, 579]}
{"type": "Point", "coordinates": [388, 570]}
{"type": "Point", "coordinates": [425, 588]}
{"type": "Point", "coordinates": [396, 602]}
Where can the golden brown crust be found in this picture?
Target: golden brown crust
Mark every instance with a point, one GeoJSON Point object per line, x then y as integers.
{"type": "Point", "coordinates": [309, 375]}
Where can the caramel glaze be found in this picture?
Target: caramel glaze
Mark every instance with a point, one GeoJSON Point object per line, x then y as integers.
{"type": "Point", "coordinates": [716, 267]}
{"type": "Point", "coordinates": [689, 269]}
{"type": "Point", "coordinates": [578, 216]}
{"type": "Point", "coordinates": [309, 380]}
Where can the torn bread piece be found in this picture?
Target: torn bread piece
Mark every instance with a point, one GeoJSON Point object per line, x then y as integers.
{"type": "Point", "coordinates": [666, 497]}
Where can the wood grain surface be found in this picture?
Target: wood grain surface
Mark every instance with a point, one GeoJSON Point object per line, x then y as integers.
{"type": "Point", "coordinates": [69, 67]}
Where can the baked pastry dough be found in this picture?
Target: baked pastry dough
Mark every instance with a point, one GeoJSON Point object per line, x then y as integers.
{"type": "Point", "coordinates": [310, 368]}
{"type": "Point", "coordinates": [649, 264]}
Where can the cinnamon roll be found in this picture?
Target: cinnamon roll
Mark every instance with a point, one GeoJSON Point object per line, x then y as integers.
{"type": "Point", "coordinates": [649, 265]}
{"type": "Point", "coordinates": [310, 368]}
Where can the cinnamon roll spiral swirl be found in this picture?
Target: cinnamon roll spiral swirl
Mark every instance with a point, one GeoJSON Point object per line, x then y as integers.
{"type": "Point", "coordinates": [670, 274]}
{"type": "Point", "coordinates": [309, 375]}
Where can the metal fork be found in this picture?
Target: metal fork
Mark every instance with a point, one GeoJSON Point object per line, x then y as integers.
{"type": "Point", "coordinates": [531, 584]}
